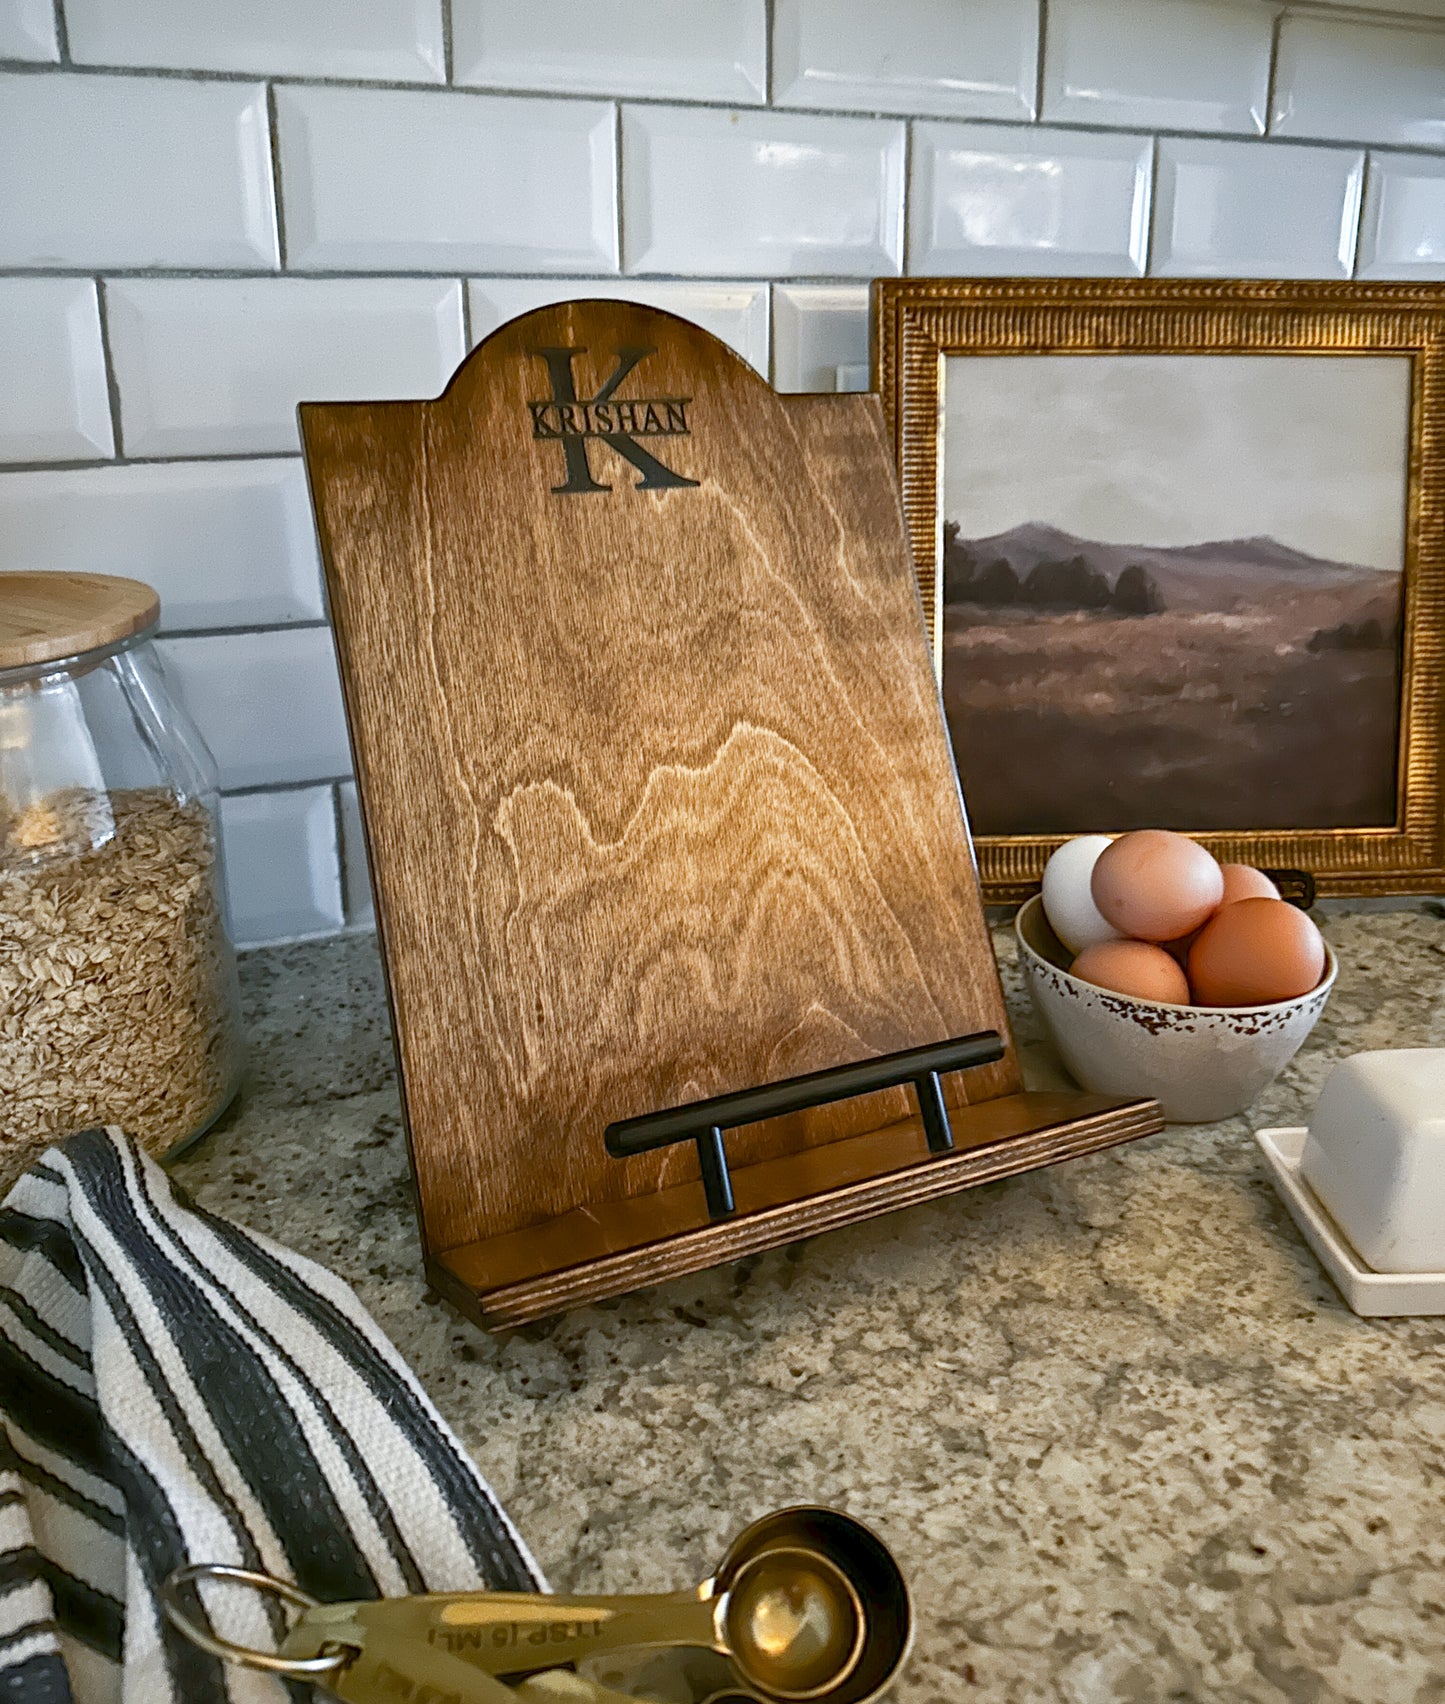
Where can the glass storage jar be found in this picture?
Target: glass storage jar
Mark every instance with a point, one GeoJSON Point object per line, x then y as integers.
{"type": "Point", "coordinates": [118, 997]}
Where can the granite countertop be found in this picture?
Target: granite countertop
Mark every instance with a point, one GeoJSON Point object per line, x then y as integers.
{"type": "Point", "coordinates": [1126, 1439]}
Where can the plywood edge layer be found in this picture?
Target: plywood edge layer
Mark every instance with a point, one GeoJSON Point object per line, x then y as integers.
{"type": "Point", "coordinates": [845, 1182]}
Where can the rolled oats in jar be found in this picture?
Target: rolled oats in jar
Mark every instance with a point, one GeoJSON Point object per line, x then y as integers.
{"type": "Point", "coordinates": [118, 999]}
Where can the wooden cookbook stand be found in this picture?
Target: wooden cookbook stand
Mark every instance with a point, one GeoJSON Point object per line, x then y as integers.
{"type": "Point", "coordinates": [661, 809]}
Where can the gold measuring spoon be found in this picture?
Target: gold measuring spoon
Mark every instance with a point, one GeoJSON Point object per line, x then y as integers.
{"type": "Point", "coordinates": [379, 1671]}
{"type": "Point", "coordinates": [808, 1605]}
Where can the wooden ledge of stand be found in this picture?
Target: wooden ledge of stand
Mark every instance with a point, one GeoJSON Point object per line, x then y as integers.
{"type": "Point", "coordinates": [623, 1245]}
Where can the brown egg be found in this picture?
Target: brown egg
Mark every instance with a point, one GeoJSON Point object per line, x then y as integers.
{"type": "Point", "coordinates": [1255, 952]}
{"type": "Point", "coordinates": [1134, 968]}
{"type": "Point", "coordinates": [1156, 885]}
{"type": "Point", "coordinates": [1243, 881]}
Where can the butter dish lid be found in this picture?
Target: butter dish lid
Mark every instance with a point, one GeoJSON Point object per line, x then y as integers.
{"type": "Point", "coordinates": [46, 616]}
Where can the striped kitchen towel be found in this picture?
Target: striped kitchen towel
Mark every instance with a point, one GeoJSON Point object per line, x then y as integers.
{"type": "Point", "coordinates": [174, 1389]}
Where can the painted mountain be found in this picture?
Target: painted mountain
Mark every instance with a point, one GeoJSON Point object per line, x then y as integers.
{"type": "Point", "coordinates": [1233, 685]}
{"type": "Point", "coordinates": [1229, 575]}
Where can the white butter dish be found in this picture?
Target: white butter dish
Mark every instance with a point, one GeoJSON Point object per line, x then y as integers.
{"type": "Point", "coordinates": [1375, 1156]}
{"type": "Point", "coordinates": [1369, 1293]}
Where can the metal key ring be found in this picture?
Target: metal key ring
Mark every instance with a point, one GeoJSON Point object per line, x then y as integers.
{"type": "Point", "coordinates": [298, 1668]}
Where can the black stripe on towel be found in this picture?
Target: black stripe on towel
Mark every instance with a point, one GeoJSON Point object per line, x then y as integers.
{"type": "Point", "coordinates": [258, 1426]}
{"type": "Point", "coordinates": [153, 1531]}
{"type": "Point", "coordinates": [64, 1492]}
{"type": "Point", "coordinates": [42, 1330]}
{"type": "Point", "coordinates": [40, 1680]}
{"type": "Point", "coordinates": [93, 1617]}
{"type": "Point", "coordinates": [19, 1568]}
{"type": "Point", "coordinates": [479, 1522]}
{"type": "Point", "coordinates": [18, 1635]}
{"type": "Point", "coordinates": [45, 1238]}
{"type": "Point", "coordinates": [52, 1412]}
{"type": "Point", "coordinates": [345, 1445]}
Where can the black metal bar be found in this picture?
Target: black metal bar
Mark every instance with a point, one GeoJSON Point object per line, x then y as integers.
{"type": "Point", "coordinates": [933, 1112]}
{"type": "Point", "coordinates": [703, 1122]}
{"type": "Point", "coordinates": [794, 1094]}
{"type": "Point", "coordinates": [1297, 886]}
{"type": "Point", "coordinates": [717, 1186]}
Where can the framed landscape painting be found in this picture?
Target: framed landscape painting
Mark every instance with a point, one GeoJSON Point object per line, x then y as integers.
{"type": "Point", "coordinates": [1181, 547]}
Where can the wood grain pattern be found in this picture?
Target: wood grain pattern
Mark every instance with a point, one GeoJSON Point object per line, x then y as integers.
{"type": "Point", "coordinates": [917, 322]}
{"type": "Point", "coordinates": [656, 781]}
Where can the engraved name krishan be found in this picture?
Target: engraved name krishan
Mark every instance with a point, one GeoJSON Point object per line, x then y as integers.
{"type": "Point", "coordinates": [577, 422]}
{"type": "Point", "coordinates": [655, 417]}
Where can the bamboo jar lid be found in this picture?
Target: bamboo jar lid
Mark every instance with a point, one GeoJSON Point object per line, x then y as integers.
{"type": "Point", "coordinates": [47, 616]}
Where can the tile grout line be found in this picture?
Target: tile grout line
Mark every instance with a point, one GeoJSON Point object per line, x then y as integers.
{"type": "Point", "coordinates": [481, 274]}
{"type": "Point", "coordinates": [769, 21]}
{"type": "Point", "coordinates": [1357, 233]}
{"type": "Point", "coordinates": [862, 115]}
{"type": "Point", "coordinates": [905, 241]}
{"type": "Point", "coordinates": [1152, 211]}
{"type": "Point", "coordinates": [95, 463]}
{"type": "Point", "coordinates": [246, 629]}
{"type": "Point", "coordinates": [467, 342]}
{"type": "Point", "coordinates": [448, 49]}
{"type": "Point", "coordinates": [112, 384]}
{"type": "Point", "coordinates": [1039, 62]}
{"type": "Point", "coordinates": [273, 134]}
{"type": "Point", "coordinates": [619, 228]}
{"type": "Point", "coordinates": [1272, 74]}
{"type": "Point", "coordinates": [62, 34]}
{"type": "Point", "coordinates": [265, 789]}
{"type": "Point", "coordinates": [338, 831]}
{"type": "Point", "coordinates": [1360, 234]}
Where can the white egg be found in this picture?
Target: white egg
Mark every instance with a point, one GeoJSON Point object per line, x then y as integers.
{"type": "Point", "coordinates": [1068, 901]}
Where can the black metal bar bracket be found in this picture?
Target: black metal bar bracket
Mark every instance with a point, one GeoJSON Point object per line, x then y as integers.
{"type": "Point", "coordinates": [1297, 886]}
{"type": "Point", "coordinates": [703, 1122]}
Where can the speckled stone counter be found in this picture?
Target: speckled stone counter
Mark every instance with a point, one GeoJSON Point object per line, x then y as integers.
{"type": "Point", "coordinates": [1124, 1436]}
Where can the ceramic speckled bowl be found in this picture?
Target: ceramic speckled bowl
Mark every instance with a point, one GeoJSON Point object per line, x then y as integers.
{"type": "Point", "coordinates": [1199, 1062]}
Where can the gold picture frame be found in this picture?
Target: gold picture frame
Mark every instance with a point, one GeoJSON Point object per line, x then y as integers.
{"type": "Point", "coordinates": [919, 323]}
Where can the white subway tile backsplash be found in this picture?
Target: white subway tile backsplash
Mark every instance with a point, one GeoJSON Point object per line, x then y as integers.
{"type": "Point", "coordinates": [134, 172]}
{"type": "Point", "coordinates": [399, 40]}
{"type": "Point", "coordinates": [736, 313]}
{"type": "Point", "coordinates": [267, 704]}
{"type": "Point", "coordinates": [705, 50]}
{"type": "Point", "coordinates": [770, 157]}
{"type": "Point", "coordinates": [226, 544]}
{"type": "Point", "coordinates": [1187, 65]}
{"type": "Point", "coordinates": [209, 366]}
{"type": "Point", "coordinates": [1402, 229]}
{"type": "Point", "coordinates": [930, 56]}
{"type": "Point", "coordinates": [411, 180]}
{"type": "Point", "coordinates": [1236, 209]}
{"type": "Point", "coordinates": [283, 877]}
{"type": "Point", "coordinates": [27, 30]}
{"type": "Point", "coordinates": [989, 199]}
{"type": "Point", "coordinates": [735, 194]}
{"type": "Point", "coordinates": [818, 328]}
{"type": "Point", "coordinates": [1360, 82]}
{"type": "Point", "coordinates": [53, 400]}
{"type": "Point", "coordinates": [355, 866]}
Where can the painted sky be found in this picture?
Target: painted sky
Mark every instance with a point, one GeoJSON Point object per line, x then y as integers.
{"type": "Point", "coordinates": [1183, 449]}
